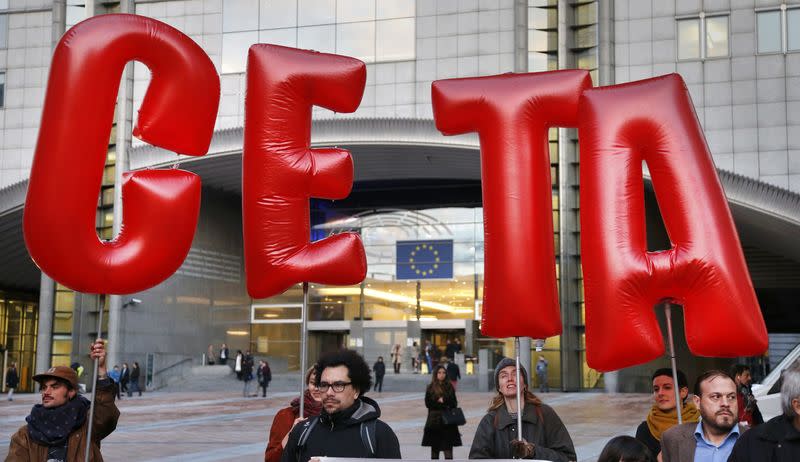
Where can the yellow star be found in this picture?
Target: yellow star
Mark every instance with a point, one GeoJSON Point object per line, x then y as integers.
{"type": "Point", "coordinates": [417, 271]}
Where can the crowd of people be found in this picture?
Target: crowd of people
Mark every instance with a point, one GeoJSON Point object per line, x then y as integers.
{"type": "Point", "coordinates": [720, 418]}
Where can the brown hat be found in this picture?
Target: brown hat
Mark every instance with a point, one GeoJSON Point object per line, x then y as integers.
{"type": "Point", "coordinates": [59, 372]}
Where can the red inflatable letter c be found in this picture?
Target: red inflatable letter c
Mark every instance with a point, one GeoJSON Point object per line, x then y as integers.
{"type": "Point", "coordinates": [178, 114]}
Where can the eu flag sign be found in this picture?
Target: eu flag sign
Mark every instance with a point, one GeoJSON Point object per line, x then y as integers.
{"type": "Point", "coordinates": [425, 259]}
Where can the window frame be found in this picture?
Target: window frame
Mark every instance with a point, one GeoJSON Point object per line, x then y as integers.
{"type": "Point", "coordinates": [783, 9]}
{"type": "Point", "coordinates": [702, 17]}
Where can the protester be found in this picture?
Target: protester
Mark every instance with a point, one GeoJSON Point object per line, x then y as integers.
{"type": "Point", "coordinates": [379, 368]}
{"type": "Point", "coordinates": [663, 415]}
{"type": "Point", "coordinates": [778, 439]}
{"type": "Point", "coordinates": [114, 375]}
{"type": "Point", "coordinates": [12, 380]}
{"type": "Point", "coordinates": [397, 358]}
{"type": "Point", "coordinates": [712, 438]}
{"type": "Point", "coordinates": [749, 413]}
{"type": "Point", "coordinates": [541, 374]}
{"type": "Point", "coordinates": [124, 378]}
{"type": "Point", "coordinates": [247, 373]}
{"type": "Point", "coordinates": [288, 417]}
{"type": "Point", "coordinates": [264, 377]}
{"type": "Point", "coordinates": [439, 397]}
{"type": "Point", "coordinates": [210, 358]}
{"type": "Point", "coordinates": [544, 435]}
{"type": "Point", "coordinates": [349, 425]}
{"type": "Point", "coordinates": [134, 385]}
{"type": "Point", "coordinates": [223, 354]}
{"type": "Point", "coordinates": [625, 449]}
{"type": "Point", "coordinates": [453, 373]}
{"type": "Point", "coordinates": [56, 430]}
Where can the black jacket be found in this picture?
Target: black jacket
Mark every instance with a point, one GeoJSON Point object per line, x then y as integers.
{"type": "Point", "coordinates": [12, 379]}
{"type": "Point", "coordinates": [379, 368]}
{"type": "Point", "coordinates": [774, 441]}
{"type": "Point", "coordinates": [453, 371]}
{"type": "Point", "coordinates": [338, 435]}
{"type": "Point", "coordinates": [545, 430]}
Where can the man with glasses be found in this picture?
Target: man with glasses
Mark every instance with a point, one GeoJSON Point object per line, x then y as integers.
{"type": "Point", "coordinates": [712, 439]}
{"type": "Point", "coordinates": [348, 425]}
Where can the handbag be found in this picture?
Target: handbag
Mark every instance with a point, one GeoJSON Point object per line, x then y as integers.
{"type": "Point", "coordinates": [453, 416]}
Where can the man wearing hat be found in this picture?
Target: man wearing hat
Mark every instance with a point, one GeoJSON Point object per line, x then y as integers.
{"type": "Point", "coordinates": [56, 429]}
{"type": "Point", "coordinates": [544, 435]}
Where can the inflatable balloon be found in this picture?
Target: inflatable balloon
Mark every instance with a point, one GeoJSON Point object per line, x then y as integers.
{"type": "Point", "coordinates": [654, 121]}
{"type": "Point", "coordinates": [160, 207]}
{"type": "Point", "coordinates": [281, 172]}
{"type": "Point", "coordinates": [512, 114]}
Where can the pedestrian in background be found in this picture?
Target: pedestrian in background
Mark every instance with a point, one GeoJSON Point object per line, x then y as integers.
{"type": "Point", "coordinates": [12, 380]}
{"type": "Point", "coordinates": [124, 378]}
{"type": "Point", "coordinates": [237, 366]}
{"type": "Point", "coordinates": [397, 358]}
{"type": "Point", "coordinates": [379, 368]}
{"type": "Point", "coordinates": [544, 435]}
{"type": "Point", "coordinates": [415, 358]}
{"type": "Point", "coordinates": [453, 372]}
{"type": "Point", "coordinates": [541, 373]}
{"type": "Point", "coordinates": [247, 373]}
{"type": "Point", "coordinates": [223, 354]}
{"type": "Point", "coordinates": [625, 448]}
{"type": "Point", "coordinates": [285, 420]}
{"type": "Point", "coordinates": [134, 385]}
{"type": "Point", "coordinates": [439, 397]}
{"type": "Point", "coordinates": [749, 413]}
{"type": "Point", "coordinates": [264, 377]}
{"type": "Point", "coordinates": [114, 374]}
{"type": "Point", "coordinates": [210, 358]}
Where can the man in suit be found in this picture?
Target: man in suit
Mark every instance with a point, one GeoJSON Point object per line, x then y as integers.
{"type": "Point", "coordinates": [712, 439]}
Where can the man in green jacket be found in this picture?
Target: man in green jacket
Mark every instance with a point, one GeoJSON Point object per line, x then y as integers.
{"type": "Point", "coordinates": [56, 429]}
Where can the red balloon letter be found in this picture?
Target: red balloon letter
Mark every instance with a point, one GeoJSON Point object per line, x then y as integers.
{"type": "Point", "coordinates": [281, 171]}
{"type": "Point", "coordinates": [654, 121]}
{"type": "Point", "coordinates": [512, 114]}
{"type": "Point", "coordinates": [178, 113]}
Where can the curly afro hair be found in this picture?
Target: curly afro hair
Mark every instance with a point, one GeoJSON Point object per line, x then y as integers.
{"type": "Point", "coordinates": [357, 368]}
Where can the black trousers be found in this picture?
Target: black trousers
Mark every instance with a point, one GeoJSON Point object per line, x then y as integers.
{"type": "Point", "coordinates": [378, 383]}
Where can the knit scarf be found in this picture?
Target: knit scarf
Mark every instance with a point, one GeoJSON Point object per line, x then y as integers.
{"type": "Point", "coordinates": [659, 421]}
{"type": "Point", "coordinates": [311, 408]}
{"type": "Point", "coordinates": [52, 426]}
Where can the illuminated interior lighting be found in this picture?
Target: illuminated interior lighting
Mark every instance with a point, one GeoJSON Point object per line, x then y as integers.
{"type": "Point", "coordinates": [237, 332]}
{"type": "Point", "coordinates": [390, 297]}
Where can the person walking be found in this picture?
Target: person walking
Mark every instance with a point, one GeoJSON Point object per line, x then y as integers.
{"type": "Point", "coordinates": [429, 356]}
{"type": "Point", "coordinates": [264, 377]}
{"type": "Point", "coordinates": [210, 358]}
{"type": "Point", "coordinates": [397, 358]}
{"type": "Point", "coordinates": [134, 385]}
{"type": "Point", "coordinates": [247, 373]}
{"type": "Point", "coordinates": [415, 358]}
{"type": "Point", "coordinates": [223, 354]}
{"type": "Point", "coordinates": [439, 397]}
{"type": "Point", "coordinates": [453, 372]}
{"type": "Point", "coordinates": [237, 366]}
{"type": "Point", "coordinates": [114, 374]}
{"type": "Point", "coordinates": [57, 429]}
{"type": "Point", "coordinates": [124, 378]}
{"type": "Point", "coordinates": [12, 380]}
{"type": "Point", "coordinates": [379, 368]}
{"type": "Point", "coordinates": [285, 420]}
{"type": "Point", "coordinates": [544, 435]}
{"type": "Point", "coordinates": [541, 373]}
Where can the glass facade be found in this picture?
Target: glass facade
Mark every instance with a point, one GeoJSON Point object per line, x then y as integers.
{"type": "Point", "coordinates": [370, 30]}
{"type": "Point", "coordinates": [19, 323]}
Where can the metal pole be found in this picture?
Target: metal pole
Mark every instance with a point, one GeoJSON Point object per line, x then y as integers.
{"type": "Point", "coordinates": [102, 300]}
{"type": "Point", "coordinates": [303, 345]}
{"type": "Point", "coordinates": [519, 391]}
{"type": "Point", "coordinates": [678, 404]}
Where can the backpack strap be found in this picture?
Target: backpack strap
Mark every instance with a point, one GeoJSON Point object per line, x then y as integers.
{"type": "Point", "coordinates": [301, 442]}
{"type": "Point", "coordinates": [368, 437]}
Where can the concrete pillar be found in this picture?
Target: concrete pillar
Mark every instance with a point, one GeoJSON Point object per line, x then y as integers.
{"type": "Point", "coordinates": [605, 43]}
{"type": "Point", "coordinates": [44, 335]}
{"type": "Point", "coordinates": [520, 36]}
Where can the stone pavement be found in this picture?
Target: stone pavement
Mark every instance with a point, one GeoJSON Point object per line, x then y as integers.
{"type": "Point", "coordinates": [202, 426]}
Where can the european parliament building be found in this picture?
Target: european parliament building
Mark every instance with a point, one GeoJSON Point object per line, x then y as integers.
{"type": "Point", "coordinates": [413, 186]}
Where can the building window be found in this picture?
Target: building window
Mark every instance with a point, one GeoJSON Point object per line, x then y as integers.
{"type": "Point", "coordinates": [703, 37]}
{"type": "Point", "coordinates": [2, 89]}
{"type": "Point", "coordinates": [370, 30]}
{"type": "Point", "coordinates": [778, 30]}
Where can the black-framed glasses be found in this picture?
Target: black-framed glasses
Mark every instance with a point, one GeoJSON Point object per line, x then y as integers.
{"type": "Point", "coordinates": [338, 387]}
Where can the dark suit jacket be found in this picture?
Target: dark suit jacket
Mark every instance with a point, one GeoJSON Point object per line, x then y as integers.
{"type": "Point", "coordinates": [678, 443]}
